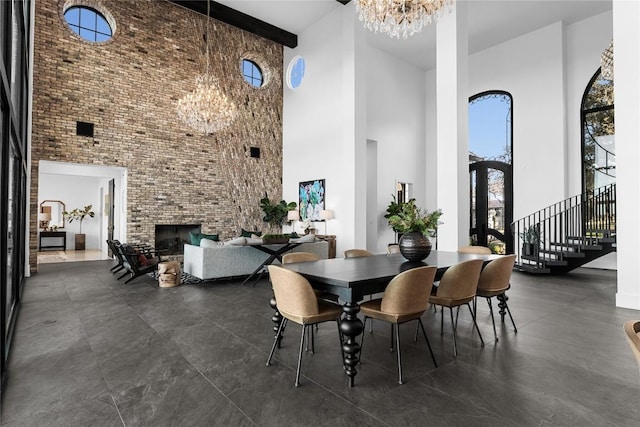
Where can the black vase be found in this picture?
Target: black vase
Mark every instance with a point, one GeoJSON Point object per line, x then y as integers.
{"type": "Point", "coordinates": [415, 246]}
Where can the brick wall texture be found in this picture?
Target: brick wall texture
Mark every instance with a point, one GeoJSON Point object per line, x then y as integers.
{"type": "Point", "coordinates": [129, 87]}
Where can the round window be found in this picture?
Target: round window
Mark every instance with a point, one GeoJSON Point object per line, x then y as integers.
{"type": "Point", "coordinates": [252, 73]}
{"type": "Point", "coordinates": [295, 72]}
{"type": "Point", "coordinates": [88, 23]}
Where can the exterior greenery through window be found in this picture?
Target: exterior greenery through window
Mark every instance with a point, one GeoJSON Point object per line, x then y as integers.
{"type": "Point", "coordinates": [252, 73]}
{"type": "Point", "coordinates": [88, 23]}
{"type": "Point", "coordinates": [598, 134]}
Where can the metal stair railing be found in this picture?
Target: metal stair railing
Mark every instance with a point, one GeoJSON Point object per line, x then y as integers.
{"type": "Point", "coordinates": [550, 235]}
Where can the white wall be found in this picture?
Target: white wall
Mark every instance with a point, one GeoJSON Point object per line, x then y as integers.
{"type": "Point", "coordinates": [75, 193]}
{"type": "Point", "coordinates": [323, 123]}
{"type": "Point", "coordinates": [79, 185]}
{"type": "Point", "coordinates": [530, 67]}
{"type": "Point", "coordinates": [395, 119]}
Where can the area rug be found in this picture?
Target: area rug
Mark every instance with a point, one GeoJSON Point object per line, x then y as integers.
{"type": "Point", "coordinates": [51, 256]}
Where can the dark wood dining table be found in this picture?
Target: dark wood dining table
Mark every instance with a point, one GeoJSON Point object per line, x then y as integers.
{"type": "Point", "coordinates": [351, 279]}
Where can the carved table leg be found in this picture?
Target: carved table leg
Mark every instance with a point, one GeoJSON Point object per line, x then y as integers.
{"type": "Point", "coordinates": [276, 318]}
{"type": "Point", "coordinates": [351, 327]}
{"type": "Point", "coordinates": [502, 304]}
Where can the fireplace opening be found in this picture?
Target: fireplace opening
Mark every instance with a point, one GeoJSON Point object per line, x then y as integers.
{"type": "Point", "coordinates": [170, 238]}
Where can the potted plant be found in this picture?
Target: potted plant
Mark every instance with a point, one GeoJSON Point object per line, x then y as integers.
{"type": "Point", "coordinates": [79, 215]}
{"type": "Point", "coordinates": [276, 214]}
{"type": "Point", "coordinates": [393, 209]}
{"type": "Point", "coordinates": [416, 225]}
{"type": "Point", "coordinates": [530, 240]}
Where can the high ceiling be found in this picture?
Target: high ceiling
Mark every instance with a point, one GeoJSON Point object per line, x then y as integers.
{"type": "Point", "coordinates": [490, 21]}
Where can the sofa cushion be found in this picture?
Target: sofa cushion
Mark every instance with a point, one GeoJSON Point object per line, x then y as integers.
{"type": "Point", "coordinates": [208, 243]}
{"type": "Point", "coordinates": [305, 239]}
{"type": "Point", "coordinates": [196, 237]}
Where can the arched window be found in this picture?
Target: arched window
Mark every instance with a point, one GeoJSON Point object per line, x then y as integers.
{"type": "Point", "coordinates": [490, 169]}
{"type": "Point", "coordinates": [598, 134]}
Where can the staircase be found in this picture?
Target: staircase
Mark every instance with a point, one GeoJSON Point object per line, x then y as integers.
{"type": "Point", "coordinates": [568, 234]}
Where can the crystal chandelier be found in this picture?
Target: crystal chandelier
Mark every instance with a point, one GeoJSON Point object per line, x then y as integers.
{"type": "Point", "coordinates": [396, 17]}
{"type": "Point", "coordinates": [606, 63]}
{"type": "Point", "coordinates": [206, 109]}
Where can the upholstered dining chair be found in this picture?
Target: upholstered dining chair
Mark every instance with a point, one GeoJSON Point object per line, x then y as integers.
{"type": "Point", "coordinates": [458, 287]}
{"type": "Point", "coordinates": [405, 299]}
{"type": "Point", "coordinates": [299, 257]}
{"type": "Point", "coordinates": [298, 303]}
{"type": "Point", "coordinates": [632, 329]}
{"type": "Point", "coordinates": [393, 249]}
{"type": "Point", "coordinates": [357, 253]}
{"type": "Point", "coordinates": [482, 250]}
{"type": "Point", "coordinates": [494, 282]}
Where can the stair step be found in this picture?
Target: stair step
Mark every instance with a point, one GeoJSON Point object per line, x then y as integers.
{"type": "Point", "coordinates": [545, 261]}
{"type": "Point", "coordinates": [532, 269]}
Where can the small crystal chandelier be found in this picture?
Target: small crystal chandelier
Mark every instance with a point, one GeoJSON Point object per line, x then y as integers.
{"type": "Point", "coordinates": [396, 17]}
{"type": "Point", "coordinates": [207, 109]}
{"type": "Point", "coordinates": [606, 63]}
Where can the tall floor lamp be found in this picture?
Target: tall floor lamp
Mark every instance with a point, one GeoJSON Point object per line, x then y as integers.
{"type": "Point", "coordinates": [326, 215]}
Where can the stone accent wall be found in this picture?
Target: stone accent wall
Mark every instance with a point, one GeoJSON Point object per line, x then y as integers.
{"type": "Point", "coordinates": [129, 86]}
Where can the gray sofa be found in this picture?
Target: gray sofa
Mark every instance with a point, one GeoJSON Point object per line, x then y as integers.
{"type": "Point", "coordinates": [235, 261]}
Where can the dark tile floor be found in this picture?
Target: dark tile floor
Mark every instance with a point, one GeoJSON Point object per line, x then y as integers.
{"type": "Point", "coordinates": [90, 351]}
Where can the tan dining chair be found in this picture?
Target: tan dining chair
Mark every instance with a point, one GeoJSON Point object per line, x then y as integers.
{"type": "Point", "coordinates": [458, 287]}
{"type": "Point", "coordinates": [494, 282]}
{"type": "Point", "coordinates": [481, 250]}
{"type": "Point", "coordinates": [299, 257]}
{"type": "Point", "coordinates": [357, 253]}
{"type": "Point", "coordinates": [632, 330]}
{"type": "Point", "coordinates": [405, 299]}
{"type": "Point", "coordinates": [297, 302]}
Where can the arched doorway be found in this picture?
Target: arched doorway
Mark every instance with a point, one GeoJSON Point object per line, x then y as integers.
{"type": "Point", "coordinates": [491, 170]}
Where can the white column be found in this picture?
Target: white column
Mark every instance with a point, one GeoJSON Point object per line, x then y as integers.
{"type": "Point", "coordinates": [626, 63]}
{"type": "Point", "coordinates": [452, 127]}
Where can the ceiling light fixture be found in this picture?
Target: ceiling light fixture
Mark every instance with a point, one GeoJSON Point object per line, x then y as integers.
{"type": "Point", "coordinates": [400, 17]}
{"type": "Point", "coordinates": [606, 63]}
{"type": "Point", "coordinates": [206, 109]}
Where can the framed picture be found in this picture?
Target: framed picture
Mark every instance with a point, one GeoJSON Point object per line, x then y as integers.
{"type": "Point", "coordinates": [311, 196]}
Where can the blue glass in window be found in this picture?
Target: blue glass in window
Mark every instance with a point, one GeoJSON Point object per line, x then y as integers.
{"type": "Point", "coordinates": [87, 19]}
{"type": "Point", "coordinates": [72, 16]}
{"type": "Point", "coordinates": [252, 73]}
{"type": "Point", "coordinates": [297, 73]}
{"type": "Point", "coordinates": [88, 23]}
{"type": "Point", "coordinates": [102, 26]}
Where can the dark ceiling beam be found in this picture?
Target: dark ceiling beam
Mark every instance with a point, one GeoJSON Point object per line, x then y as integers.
{"type": "Point", "coordinates": [242, 20]}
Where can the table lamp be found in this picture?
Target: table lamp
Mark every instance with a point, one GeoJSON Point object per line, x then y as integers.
{"type": "Point", "coordinates": [44, 217]}
{"type": "Point", "coordinates": [293, 216]}
{"type": "Point", "coordinates": [326, 215]}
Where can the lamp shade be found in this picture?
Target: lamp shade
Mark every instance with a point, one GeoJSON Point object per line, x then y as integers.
{"type": "Point", "coordinates": [44, 216]}
{"type": "Point", "coordinates": [326, 214]}
{"type": "Point", "coordinates": [293, 216]}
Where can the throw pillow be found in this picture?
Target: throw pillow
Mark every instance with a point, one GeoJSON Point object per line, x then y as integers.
{"type": "Point", "coordinates": [197, 237]}
{"type": "Point", "coordinates": [238, 241]}
{"type": "Point", "coordinates": [245, 233]}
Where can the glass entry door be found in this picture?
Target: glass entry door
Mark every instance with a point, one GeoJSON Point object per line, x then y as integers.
{"type": "Point", "coordinates": [491, 213]}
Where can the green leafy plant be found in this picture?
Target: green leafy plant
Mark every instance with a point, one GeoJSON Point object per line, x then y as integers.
{"type": "Point", "coordinates": [276, 213]}
{"type": "Point", "coordinates": [79, 215]}
{"type": "Point", "coordinates": [409, 218]}
{"type": "Point", "coordinates": [394, 208]}
{"type": "Point", "coordinates": [531, 234]}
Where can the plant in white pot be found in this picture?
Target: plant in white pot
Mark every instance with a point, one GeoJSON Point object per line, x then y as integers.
{"type": "Point", "coordinates": [416, 225]}
{"type": "Point", "coordinates": [79, 215]}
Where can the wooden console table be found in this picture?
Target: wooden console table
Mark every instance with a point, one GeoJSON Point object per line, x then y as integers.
{"type": "Point", "coordinates": [53, 235]}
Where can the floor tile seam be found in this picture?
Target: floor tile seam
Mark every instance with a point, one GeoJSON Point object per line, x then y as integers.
{"type": "Point", "coordinates": [113, 399]}
{"type": "Point", "coordinates": [223, 394]}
